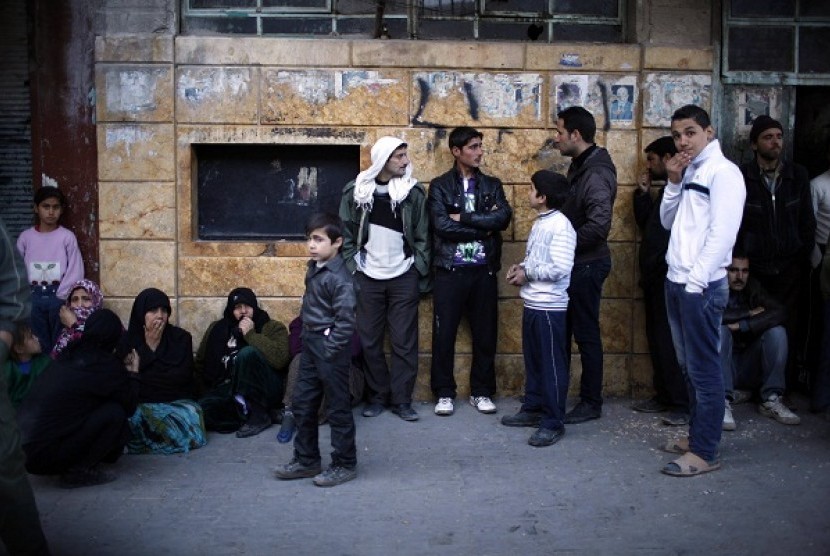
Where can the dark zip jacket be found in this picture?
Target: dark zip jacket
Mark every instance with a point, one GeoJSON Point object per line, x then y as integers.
{"type": "Point", "coordinates": [329, 304]}
{"type": "Point", "coordinates": [655, 240]}
{"type": "Point", "coordinates": [491, 217]}
{"type": "Point", "coordinates": [778, 230]}
{"type": "Point", "coordinates": [590, 204]}
{"type": "Point", "coordinates": [742, 302]}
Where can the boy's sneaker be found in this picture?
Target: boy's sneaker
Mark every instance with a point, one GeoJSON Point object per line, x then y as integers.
{"type": "Point", "coordinates": [776, 409]}
{"type": "Point", "coordinates": [741, 396]}
{"type": "Point", "coordinates": [651, 405]}
{"type": "Point", "coordinates": [728, 419]}
{"type": "Point", "coordinates": [522, 419]}
{"type": "Point", "coordinates": [335, 475]}
{"type": "Point", "coordinates": [483, 404]}
{"type": "Point", "coordinates": [444, 406]}
{"type": "Point", "coordinates": [296, 470]}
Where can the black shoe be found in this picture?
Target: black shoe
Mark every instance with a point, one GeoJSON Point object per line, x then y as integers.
{"type": "Point", "coordinates": [335, 475]}
{"type": "Point", "coordinates": [522, 419]}
{"type": "Point", "coordinates": [253, 426]}
{"type": "Point", "coordinates": [649, 406]}
{"type": "Point", "coordinates": [90, 476]}
{"type": "Point", "coordinates": [581, 413]}
{"type": "Point", "coordinates": [296, 470]}
{"type": "Point", "coordinates": [676, 419]}
{"type": "Point", "coordinates": [405, 412]}
{"type": "Point", "coordinates": [546, 437]}
{"type": "Point", "coordinates": [372, 409]}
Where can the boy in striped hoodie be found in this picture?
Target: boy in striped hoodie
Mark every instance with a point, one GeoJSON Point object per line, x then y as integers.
{"type": "Point", "coordinates": [544, 277]}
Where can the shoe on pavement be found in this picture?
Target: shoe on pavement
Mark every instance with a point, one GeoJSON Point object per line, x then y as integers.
{"type": "Point", "coordinates": [296, 470]}
{"type": "Point", "coordinates": [546, 437]}
{"type": "Point", "coordinates": [335, 475]}
{"type": "Point", "coordinates": [776, 409]}
{"type": "Point", "coordinates": [728, 419]}
{"type": "Point", "coordinates": [581, 413]}
{"type": "Point", "coordinates": [254, 425]}
{"type": "Point", "coordinates": [675, 419]}
{"type": "Point", "coordinates": [741, 396]}
{"type": "Point", "coordinates": [522, 419]}
{"type": "Point", "coordinates": [444, 406]}
{"type": "Point", "coordinates": [483, 404]}
{"type": "Point", "coordinates": [649, 406]}
{"type": "Point", "coordinates": [85, 477]}
{"type": "Point", "coordinates": [405, 412]}
{"type": "Point", "coordinates": [372, 409]}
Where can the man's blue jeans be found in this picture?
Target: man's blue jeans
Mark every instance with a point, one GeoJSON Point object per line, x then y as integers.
{"type": "Point", "coordinates": [695, 320]}
{"type": "Point", "coordinates": [760, 365]}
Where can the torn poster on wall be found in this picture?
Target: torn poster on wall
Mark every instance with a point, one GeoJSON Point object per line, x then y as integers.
{"type": "Point", "coordinates": [663, 93]}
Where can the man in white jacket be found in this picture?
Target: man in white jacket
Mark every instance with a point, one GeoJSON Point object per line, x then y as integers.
{"type": "Point", "coordinates": [702, 206]}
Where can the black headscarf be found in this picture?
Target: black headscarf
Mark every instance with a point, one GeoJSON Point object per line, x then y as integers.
{"type": "Point", "coordinates": [172, 349]}
{"type": "Point", "coordinates": [217, 344]}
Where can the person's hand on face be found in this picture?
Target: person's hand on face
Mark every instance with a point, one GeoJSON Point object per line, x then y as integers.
{"type": "Point", "coordinates": [154, 323]}
{"type": "Point", "coordinates": [67, 316]}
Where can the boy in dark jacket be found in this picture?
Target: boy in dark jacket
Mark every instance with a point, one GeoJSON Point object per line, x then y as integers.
{"type": "Point", "coordinates": [328, 324]}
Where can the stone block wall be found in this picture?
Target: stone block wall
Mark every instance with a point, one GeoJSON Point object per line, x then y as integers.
{"type": "Point", "coordinates": [158, 96]}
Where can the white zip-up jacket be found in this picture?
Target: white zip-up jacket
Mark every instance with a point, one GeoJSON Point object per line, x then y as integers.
{"type": "Point", "coordinates": [703, 213]}
{"type": "Point", "coordinates": [549, 258]}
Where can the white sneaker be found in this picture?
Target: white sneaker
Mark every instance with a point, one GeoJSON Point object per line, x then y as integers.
{"type": "Point", "coordinates": [728, 419]}
{"type": "Point", "coordinates": [776, 409]}
{"type": "Point", "coordinates": [483, 404]}
{"type": "Point", "coordinates": [444, 406]}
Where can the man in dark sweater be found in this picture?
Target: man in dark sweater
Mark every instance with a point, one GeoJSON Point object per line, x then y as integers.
{"type": "Point", "coordinates": [753, 344]}
{"type": "Point", "coordinates": [589, 207]}
{"type": "Point", "coordinates": [669, 385]}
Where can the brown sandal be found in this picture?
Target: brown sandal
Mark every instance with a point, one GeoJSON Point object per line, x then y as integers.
{"type": "Point", "coordinates": [677, 446]}
{"type": "Point", "coordinates": [689, 465]}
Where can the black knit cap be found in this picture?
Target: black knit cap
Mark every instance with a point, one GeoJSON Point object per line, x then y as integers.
{"type": "Point", "coordinates": [760, 125]}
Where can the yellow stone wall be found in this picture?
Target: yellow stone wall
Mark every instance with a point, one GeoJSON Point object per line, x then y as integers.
{"type": "Point", "coordinates": [157, 96]}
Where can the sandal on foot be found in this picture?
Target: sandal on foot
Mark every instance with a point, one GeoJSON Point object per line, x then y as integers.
{"type": "Point", "coordinates": [677, 446]}
{"type": "Point", "coordinates": [689, 465]}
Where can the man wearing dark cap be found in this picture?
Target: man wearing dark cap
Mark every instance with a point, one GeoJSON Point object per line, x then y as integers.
{"type": "Point", "coordinates": [778, 228]}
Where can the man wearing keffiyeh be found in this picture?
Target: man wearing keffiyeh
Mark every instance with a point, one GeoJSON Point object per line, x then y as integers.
{"type": "Point", "coordinates": [386, 245]}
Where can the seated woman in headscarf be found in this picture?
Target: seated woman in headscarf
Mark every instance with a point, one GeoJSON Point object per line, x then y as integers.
{"type": "Point", "coordinates": [75, 416]}
{"type": "Point", "coordinates": [242, 361]}
{"type": "Point", "coordinates": [84, 298]}
{"type": "Point", "coordinates": [167, 420]}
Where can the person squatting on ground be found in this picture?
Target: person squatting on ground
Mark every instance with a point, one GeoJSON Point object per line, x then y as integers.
{"type": "Point", "coordinates": [702, 197]}
{"type": "Point", "coordinates": [242, 361]}
{"type": "Point", "coordinates": [468, 211]}
{"type": "Point", "coordinates": [386, 246]}
{"type": "Point", "coordinates": [589, 207]}
{"type": "Point", "coordinates": [75, 417]}
{"type": "Point", "coordinates": [328, 313]}
{"type": "Point", "coordinates": [753, 345]}
{"type": "Point", "coordinates": [85, 298]}
{"type": "Point", "coordinates": [669, 385]}
{"type": "Point", "coordinates": [778, 229]}
{"type": "Point", "coordinates": [20, 529]}
{"type": "Point", "coordinates": [167, 419]}
{"type": "Point", "coordinates": [544, 276]}
{"type": "Point", "coordinates": [53, 262]}
{"type": "Point", "coordinates": [25, 364]}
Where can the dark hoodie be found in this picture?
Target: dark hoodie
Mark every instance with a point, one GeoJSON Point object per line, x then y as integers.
{"type": "Point", "coordinates": [86, 375]}
{"type": "Point", "coordinates": [165, 375]}
{"type": "Point", "coordinates": [590, 205]}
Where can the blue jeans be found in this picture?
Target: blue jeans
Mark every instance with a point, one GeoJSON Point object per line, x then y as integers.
{"type": "Point", "coordinates": [695, 320]}
{"type": "Point", "coordinates": [46, 322]}
{"type": "Point", "coordinates": [546, 368]}
{"type": "Point", "coordinates": [761, 364]}
{"type": "Point", "coordinates": [585, 292]}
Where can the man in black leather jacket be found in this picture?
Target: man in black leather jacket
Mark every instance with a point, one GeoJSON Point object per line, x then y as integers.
{"type": "Point", "coordinates": [468, 211]}
{"type": "Point", "coordinates": [753, 344]}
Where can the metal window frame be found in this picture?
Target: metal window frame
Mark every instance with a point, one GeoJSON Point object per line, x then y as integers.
{"type": "Point", "coordinates": [746, 77]}
{"type": "Point", "coordinates": [414, 14]}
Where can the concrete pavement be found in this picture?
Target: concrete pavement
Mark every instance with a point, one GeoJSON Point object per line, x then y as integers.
{"type": "Point", "coordinates": [464, 485]}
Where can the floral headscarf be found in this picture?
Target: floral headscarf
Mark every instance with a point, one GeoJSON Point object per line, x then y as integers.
{"type": "Point", "coordinates": [74, 333]}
